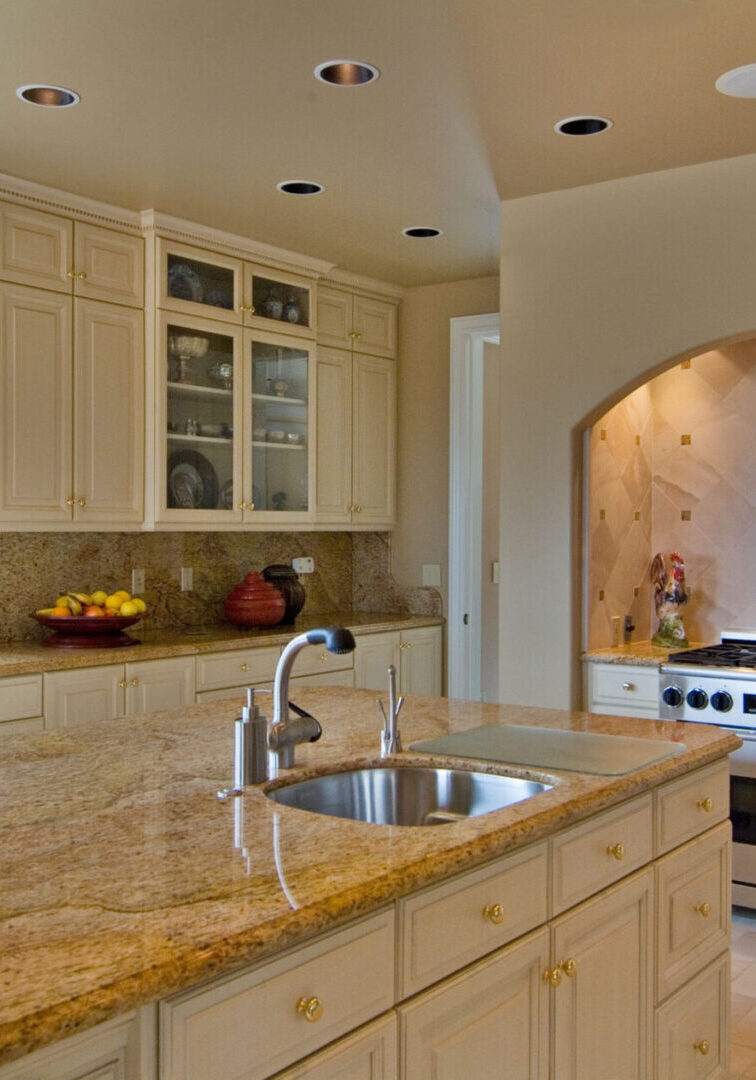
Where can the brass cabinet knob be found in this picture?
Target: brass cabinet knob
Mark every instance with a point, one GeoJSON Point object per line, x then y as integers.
{"type": "Point", "coordinates": [70, 501]}
{"type": "Point", "coordinates": [495, 913]}
{"type": "Point", "coordinates": [323, 657]}
{"type": "Point", "coordinates": [707, 805]}
{"type": "Point", "coordinates": [135, 682]}
{"type": "Point", "coordinates": [617, 850]}
{"type": "Point", "coordinates": [123, 683]}
{"type": "Point", "coordinates": [553, 977]}
{"type": "Point", "coordinates": [704, 909]}
{"type": "Point", "coordinates": [246, 506]}
{"type": "Point", "coordinates": [70, 274]}
{"type": "Point", "coordinates": [569, 967]}
{"type": "Point", "coordinates": [703, 1046]}
{"type": "Point", "coordinates": [82, 501]}
{"type": "Point", "coordinates": [247, 310]}
{"type": "Point", "coordinates": [244, 667]}
{"type": "Point", "coordinates": [355, 335]}
{"type": "Point", "coordinates": [310, 1008]}
{"type": "Point", "coordinates": [628, 686]}
{"type": "Point", "coordinates": [81, 276]}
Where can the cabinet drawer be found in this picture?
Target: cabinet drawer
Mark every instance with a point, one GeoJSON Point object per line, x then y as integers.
{"type": "Point", "coordinates": [316, 658]}
{"type": "Point", "coordinates": [621, 686]}
{"type": "Point", "coordinates": [242, 666]}
{"type": "Point", "coordinates": [692, 804]}
{"type": "Point", "coordinates": [452, 924]}
{"type": "Point", "coordinates": [693, 1028]}
{"type": "Point", "coordinates": [370, 1054]}
{"type": "Point", "coordinates": [240, 692]}
{"type": "Point", "coordinates": [20, 697]}
{"type": "Point", "coordinates": [324, 678]}
{"type": "Point", "coordinates": [597, 853]}
{"type": "Point", "coordinates": [692, 907]}
{"type": "Point", "coordinates": [249, 1026]}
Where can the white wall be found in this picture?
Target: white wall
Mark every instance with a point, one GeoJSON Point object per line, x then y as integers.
{"type": "Point", "coordinates": [600, 286]}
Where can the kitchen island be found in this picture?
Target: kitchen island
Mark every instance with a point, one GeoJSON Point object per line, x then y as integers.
{"type": "Point", "coordinates": [124, 881]}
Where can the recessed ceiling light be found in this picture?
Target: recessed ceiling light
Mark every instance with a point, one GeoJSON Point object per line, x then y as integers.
{"type": "Point", "coordinates": [346, 72]}
{"type": "Point", "coordinates": [422, 232]}
{"type": "Point", "coordinates": [300, 187]}
{"type": "Point", "coordinates": [739, 82]}
{"type": "Point", "coordinates": [582, 125]}
{"type": "Point", "coordinates": [51, 97]}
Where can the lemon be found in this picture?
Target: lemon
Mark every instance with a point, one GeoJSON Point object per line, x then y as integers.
{"type": "Point", "coordinates": [63, 601]}
{"type": "Point", "coordinates": [128, 607]}
{"type": "Point", "coordinates": [99, 597]}
{"type": "Point", "coordinates": [139, 603]}
{"type": "Point", "coordinates": [114, 601]}
{"type": "Point", "coordinates": [123, 595]}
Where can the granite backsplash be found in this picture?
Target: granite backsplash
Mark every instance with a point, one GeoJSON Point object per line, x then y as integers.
{"type": "Point", "coordinates": [352, 572]}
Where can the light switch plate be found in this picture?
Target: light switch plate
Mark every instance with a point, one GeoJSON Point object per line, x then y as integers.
{"type": "Point", "coordinates": [305, 565]}
{"type": "Point", "coordinates": [187, 579]}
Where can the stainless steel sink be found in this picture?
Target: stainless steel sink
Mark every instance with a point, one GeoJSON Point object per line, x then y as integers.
{"type": "Point", "coordinates": [413, 795]}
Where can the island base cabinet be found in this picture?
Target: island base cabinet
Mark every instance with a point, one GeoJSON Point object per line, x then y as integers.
{"type": "Point", "coordinates": [692, 1028]}
{"type": "Point", "coordinates": [602, 972]}
{"type": "Point", "coordinates": [489, 1023]}
{"type": "Point", "coordinates": [369, 1054]}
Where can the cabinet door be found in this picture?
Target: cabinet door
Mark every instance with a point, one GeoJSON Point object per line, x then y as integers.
{"type": "Point", "coordinates": [374, 326]}
{"type": "Point", "coordinates": [333, 433]}
{"type": "Point", "coordinates": [35, 248]}
{"type": "Point", "coordinates": [198, 282]}
{"type": "Point", "coordinates": [277, 301]}
{"type": "Point", "coordinates": [693, 1028]}
{"type": "Point", "coordinates": [371, 1054]}
{"type": "Point", "coordinates": [108, 413]}
{"type": "Point", "coordinates": [373, 440]}
{"type": "Point", "coordinates": [21, 704]}
{"type": "Point", "coordinates": [420, 671]}
{"type": "Point", "coordinates": [159, 684]}
{"type": "Point", "coordinates": [603, 1008]}
{"type": "Point", "coordinates": [109, 265]}
{"type": "Point", "coordinates": [334, 317]}
{"type": "Point", "coordinates": [372, 656]}
{"type": "Point", "coordinates": [83, 695]}
{"type": "Point", "coordinates": [491, 1021]}
{"type": "Point", "coordinates": [35, 415]}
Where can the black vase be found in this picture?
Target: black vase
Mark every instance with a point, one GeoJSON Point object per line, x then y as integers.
{"type": "Point", "coordinates": [287, 582]}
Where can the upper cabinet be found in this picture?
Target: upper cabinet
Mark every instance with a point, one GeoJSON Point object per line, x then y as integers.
{"type": "Point", "coordinates": [51, 252]}
{"type": "Point", "coordinates": [354, 321]}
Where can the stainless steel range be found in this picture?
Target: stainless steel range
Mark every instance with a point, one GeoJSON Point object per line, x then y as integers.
{"type": "Point", "coordinates": [717, 685]}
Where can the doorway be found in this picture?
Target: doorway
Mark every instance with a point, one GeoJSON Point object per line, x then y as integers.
{"type": "Point", "coordinates": [472, 631]}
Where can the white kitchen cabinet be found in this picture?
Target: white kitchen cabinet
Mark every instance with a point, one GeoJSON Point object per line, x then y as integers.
{"type": "Point", "coordinates": [276, 300]}
{"type": "Point", "coordinates": [77, 258]}
{"type": "Point", "coordinates": [71, 428]}
{"type": "Point", "coordinates": [354, 320]}
{"type": "Point", "coordinates": [370, 1054]}
{"type": "Point", "coordinates": [84, 695]}
{"type": "Point", "coordinates": [325, 678]}
{"type": "Point", "coordinates": [415, 653]}
{"type": "Point", "coordinates": [622, 689]}
{"type": "Point", "coordinates": [21, 704]}
{"type": "Point", "coordinates": [356, 438]}
{"type": "Point", "coordinates": [692, 1028]}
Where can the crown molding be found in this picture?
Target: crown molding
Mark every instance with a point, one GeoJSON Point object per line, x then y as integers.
{"type": "Point", "coordinates": [41, 197]}
{"type": "Point", "coordinates": [345, 279]}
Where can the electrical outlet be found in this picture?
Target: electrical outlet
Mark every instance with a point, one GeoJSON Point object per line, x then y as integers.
{"type": "Point", "coordinates": [137, 582]}
{"type": "Point", "coordinates": [187, 578]}
{"type": "Point", "coordinates": [304, 565]}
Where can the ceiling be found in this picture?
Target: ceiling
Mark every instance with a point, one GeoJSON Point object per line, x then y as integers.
{"type": "Point", "coordinates": [198, 108]}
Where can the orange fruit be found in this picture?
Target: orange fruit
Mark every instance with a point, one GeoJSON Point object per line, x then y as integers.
{"type": "Point", "coordinates": [60, 611]}
{"type": "Point", "coordinates": [93, 609]}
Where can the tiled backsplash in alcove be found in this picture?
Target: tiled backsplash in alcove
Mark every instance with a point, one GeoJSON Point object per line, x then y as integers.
{"type": "Point", "coordinates": [645, 474]}
{"type": "Point", "coordinates": [352, 571]}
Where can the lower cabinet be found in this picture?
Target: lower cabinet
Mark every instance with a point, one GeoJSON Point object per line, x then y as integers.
{"type": "Point", "coordinates": [21, 704]}
{"type": "Point", "coordinates": [692, 1028]}
{"type": "Point", "coordinates": [104, 693]}
{"type": "Point", "coordinates": [416, 654]}
{"type": "Point", "coordinates": [370, 1054]}
{"type": "Point", "coordinates": [621, 689]}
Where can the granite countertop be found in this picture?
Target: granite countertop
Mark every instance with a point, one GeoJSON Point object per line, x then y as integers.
{"type": "Point", "coordinates": [21, 658]}
{"type": "Point", "coordinates": [641, 653]}
{"type": "Point", "coordinates": [120, 882]}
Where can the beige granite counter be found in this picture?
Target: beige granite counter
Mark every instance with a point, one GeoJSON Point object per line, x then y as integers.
{"type": "Point", "coordinates": [641, 653]}
{"type": "Point", "coordinates": [19, 658]}
{"type": "Point", "coordinates": [120, 882]}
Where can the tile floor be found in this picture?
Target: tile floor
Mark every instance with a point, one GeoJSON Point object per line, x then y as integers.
{"type": "Point", "coordinates": [743, 1061]}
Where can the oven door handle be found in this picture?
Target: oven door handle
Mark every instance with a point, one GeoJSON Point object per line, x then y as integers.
{"type": "Point", "coordinates": [747, 734]}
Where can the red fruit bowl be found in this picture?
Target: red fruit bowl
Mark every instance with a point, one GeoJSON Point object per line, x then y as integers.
{"type": "Point", "coordinates": [88, 631]}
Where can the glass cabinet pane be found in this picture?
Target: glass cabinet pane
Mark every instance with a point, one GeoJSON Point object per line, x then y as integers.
{"type": "Point", "coordinates": [281, 302]}
{"type": "Point", "coordinates": [200, 282]}
{"type": "Point", "coordinates": [200, 418]}
{"type": "Point", "coordinates": [279, 427]}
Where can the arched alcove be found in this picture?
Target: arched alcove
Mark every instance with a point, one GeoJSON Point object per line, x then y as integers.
{"type": "Point", "coordinates": [672, 466]}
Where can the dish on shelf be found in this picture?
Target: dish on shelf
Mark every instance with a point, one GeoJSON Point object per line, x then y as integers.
{"type": "Point", "coordinates": [276, 435]}
{"type": "Point", "coordinates": [192, 481]}
{"type": "Point", "coordinates": [184, 283]}
{"type": "Point", "coordinates": [188, 346]}
{"type": "Point", "coordinates": [214, 431]}
{"type": "Point", "coordinates": [226, 497]}
{"type": "Point", "coordinates": [294, 438]}
{"type": "Point", "coordinates": [219, 298]}
{"type": "Point", "coordinates": [222, 374]}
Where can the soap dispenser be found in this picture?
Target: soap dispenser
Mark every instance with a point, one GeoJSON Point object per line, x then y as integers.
{"type": "Point", "coordinates": [250, 745]}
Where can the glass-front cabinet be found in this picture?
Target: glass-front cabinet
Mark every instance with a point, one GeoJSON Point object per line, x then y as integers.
{"type": "Point", "coordinates": [278, 301]}
{"type": "Point", "coordinates": [234, 423]}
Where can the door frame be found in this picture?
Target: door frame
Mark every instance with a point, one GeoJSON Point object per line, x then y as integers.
{"type": "Point", "coordinates": [468, 337]}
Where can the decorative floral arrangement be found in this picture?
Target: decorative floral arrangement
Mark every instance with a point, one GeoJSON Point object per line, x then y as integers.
{"type": "Point", "coordinates": [670, 594]}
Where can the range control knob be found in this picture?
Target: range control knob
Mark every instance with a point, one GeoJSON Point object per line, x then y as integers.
{"type": "Point", "coordinates": [698, 698]}
{"type": "Point", "coordinates": [672, 695]}
{"type": "Point", "coordinates": [721, 701]}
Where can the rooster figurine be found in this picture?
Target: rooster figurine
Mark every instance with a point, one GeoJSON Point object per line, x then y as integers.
{"type": "Point", "coordinates": [670, 594]}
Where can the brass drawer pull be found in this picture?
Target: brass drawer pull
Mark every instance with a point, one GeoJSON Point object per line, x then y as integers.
{"type": "Point", "coordinates": [135, 682]}
{"type": "Point", "coordinates": [70, 501]}
{"type": "Point", "coordinates": [628, 686]}
{"type": "Point", "coordinates": [707, 805]}
{"type": "Point", "coordinates": [553, 977]}
{"type": "Point", "coordinates": [704, 909]}
{"type": "Point", "coordinates": [82, 501]}
{"type": "Point", "coordinates": [81, 276]}
{"type": "Point", "coordinates": [569, 967]}
{"type": "Point", "coordinates": [617, 850]}
{"type": "Point", "coordinates": [495, 913]}
{"type": "Point", "coordinates": [703, 1046]}
{"type": "Point", "coordinates": [310, 1008]}
{"type": "Point", "coordinates": [123, 683]}
{"type": "Point", "coordinates": [244, 667]}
